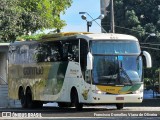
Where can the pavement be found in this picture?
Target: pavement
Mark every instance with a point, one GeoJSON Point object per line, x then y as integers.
{"type": "Point", "coordinates": [155, 102]}
{"type": "Point", "coordinates": [150, 100]}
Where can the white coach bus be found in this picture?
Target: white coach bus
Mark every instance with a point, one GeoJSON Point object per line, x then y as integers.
{"type": "Point", "coordinates": [74, 69]}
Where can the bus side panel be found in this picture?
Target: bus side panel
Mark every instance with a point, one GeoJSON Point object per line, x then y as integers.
{"type": "Point", "coordinates": [44, 79]}
{"type": "Point", "coordinates": [14, 81]}
{"type": "Point", "coordinates": [51, 82]}
{"type": "Point", "coordinates": [72, 79]}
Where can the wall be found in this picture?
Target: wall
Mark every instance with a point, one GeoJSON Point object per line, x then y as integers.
{"type": "Point", "coordinates": [3, 67]}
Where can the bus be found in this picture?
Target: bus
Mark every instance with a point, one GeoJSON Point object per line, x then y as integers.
{"type": "Point", "coordinates": [76, 69]}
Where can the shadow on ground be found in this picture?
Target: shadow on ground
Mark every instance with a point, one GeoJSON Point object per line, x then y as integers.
{"type": "Point", "coordinates": [146, 103]}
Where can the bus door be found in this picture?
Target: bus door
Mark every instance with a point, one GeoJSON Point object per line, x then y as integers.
{"type": "Point", "coordinates": [86, 74]}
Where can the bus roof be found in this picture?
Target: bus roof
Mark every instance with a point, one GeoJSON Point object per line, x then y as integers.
{"type": "Point", "coordinates": [107, 36]}
{"type": "Point", "coordinates": [4, 44]}
{"type": "Point", "coordinates": [84, 35]}
{"type": "Point", "coordinates": [90, 36]}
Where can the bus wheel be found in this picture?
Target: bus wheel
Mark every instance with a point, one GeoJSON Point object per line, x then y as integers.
{"type": "Point", "coordinates": [38, 104]}
{"type": "Point", "coordinates": [75, 100]}
{"type": "Point", "coordinates": [30, 103]}
{"type": "Point", "coordinates": [22, 98]}
{"type": "Point", "coordinates": [120, 106]}
{"type": "Point", "coordinates": [63, 104]}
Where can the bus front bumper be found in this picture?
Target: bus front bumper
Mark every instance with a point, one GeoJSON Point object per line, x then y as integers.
{"type": "Point", "coordinates": [108, 98]}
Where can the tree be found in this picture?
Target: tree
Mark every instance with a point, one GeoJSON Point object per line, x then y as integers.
{"type": "Point", "coordinates": [133, 15]}
{"type": "Point", "coordinates": [9, 20]}
{"type": "Point", "coordinates": [138, 18]}
{"type": "Point", "coordinates": [19, 17]}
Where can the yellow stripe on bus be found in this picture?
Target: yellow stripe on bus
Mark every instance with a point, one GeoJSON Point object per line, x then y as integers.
{"type": "Point", "coordinates": [112, 89]}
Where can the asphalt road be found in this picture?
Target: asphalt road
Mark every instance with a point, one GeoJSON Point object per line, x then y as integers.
{"type": "Point", "coordinates": [88, 112]}
{"type": "Point", "coordinates": [146, 110]}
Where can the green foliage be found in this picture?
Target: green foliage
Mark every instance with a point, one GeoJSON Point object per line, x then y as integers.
{"type": "Point", "coordinates": [9, 22]}
{"type": "Point", "coordinates": [131, 18]}
{"type": "Point", "coordinates": [138, 18]}
{"type": "Point", "coordinates": [150, 28]}
{"type": "Point", "coordinates": [19, 17]}
{"type": "Point", "coordinates": [139, 31]}
{"type": "Point", "coordinates": [151, 76]}
{"type": "Point", "coordinates": [29, 37]}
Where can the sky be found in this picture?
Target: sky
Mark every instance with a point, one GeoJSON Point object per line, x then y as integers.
{"type": "Point", "coordinates": [73, 18]}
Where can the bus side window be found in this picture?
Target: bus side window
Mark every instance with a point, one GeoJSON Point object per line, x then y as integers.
{"type": "Point", "coordinates": [24, 53]}
{"type": "Point", "coordinates": [49, 52]}
{"type": "Point", "coordinates": [14, 54]}
{"type": "Point", "coordinates": [65, 51]}
{"type": "Point", "coordinates": [71, 50]}
{"type": "Point", "coordinates": [32, 52]}
{"type": "Point", "coordinates": [56, 51]}
{"type": "Point", "coordinates": [75, 49]}
{"type": "Point", "coordinates": [41, 52]}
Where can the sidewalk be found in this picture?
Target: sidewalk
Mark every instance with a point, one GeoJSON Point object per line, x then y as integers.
{"type": "Point", "coordinates": [148, 100]}
{"type": "Point", "coordinates": [148, 94]}
{"type": "Point", "coordinates": [146, 103]}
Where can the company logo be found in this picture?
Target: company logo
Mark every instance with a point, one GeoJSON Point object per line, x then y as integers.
{"type": "Point", "coordinates": [27, 71]}
{"type": "Point", "coordinates": [21, 115]}
{"type": "Point", "coordinates": [6, 114]}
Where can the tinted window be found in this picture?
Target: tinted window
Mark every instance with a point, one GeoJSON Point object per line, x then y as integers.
{"type": "Point", "coordinates": [114, 47]}
{"type": "Point", "coordinates": [58, 51]}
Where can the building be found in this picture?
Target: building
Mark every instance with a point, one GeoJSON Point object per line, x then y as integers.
{"type": "Point", "coordinates": [5, 101]}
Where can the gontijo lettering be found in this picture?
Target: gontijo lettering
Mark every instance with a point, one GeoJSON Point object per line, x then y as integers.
{"type": "Point", "coordinates": [33, 71]}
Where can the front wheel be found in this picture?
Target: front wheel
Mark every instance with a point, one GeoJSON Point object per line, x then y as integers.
{"type": "Point", "coordinates": [120, 106]}
{"type": "Point", "coordinates": [75, 101]}
{"type": "Point", "coordinates": [22, 98]}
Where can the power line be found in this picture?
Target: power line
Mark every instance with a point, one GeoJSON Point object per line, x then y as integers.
{"type": "Point", "coordinates": [154, 44]}
{"type": "Point", "coordinates": [150, 48]}
{"type": "Point", "coordinates": [123, 28]}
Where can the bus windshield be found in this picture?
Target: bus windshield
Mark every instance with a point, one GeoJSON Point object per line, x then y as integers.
{"type": "Point", "coordinates": [116, 63]}
{"type": "Point", "coordinates": [115, 47]}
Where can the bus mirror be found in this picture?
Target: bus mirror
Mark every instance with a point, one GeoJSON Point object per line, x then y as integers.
{"type": "Point", "coordinates": [89, 61]}
{"type": "Point", "coordinates": [148, 59]}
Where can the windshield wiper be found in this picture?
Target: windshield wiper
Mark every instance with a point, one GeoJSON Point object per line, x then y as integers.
{"type": "Point", "coordinates": [109, 77]}
{"type": "Point", "coordinates": [125, 73]}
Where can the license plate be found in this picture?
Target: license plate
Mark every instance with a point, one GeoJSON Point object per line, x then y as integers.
{"type": "Point", "coordinates": [119, 98]}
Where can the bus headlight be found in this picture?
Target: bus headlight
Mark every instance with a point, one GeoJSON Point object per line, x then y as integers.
{"type": "Point", "coordinates": [139, 91]}
{"type": "Point", "coordinates": [98, 92]}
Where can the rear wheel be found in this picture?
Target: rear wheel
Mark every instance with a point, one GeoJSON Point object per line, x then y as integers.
{"type": "Point", "coordinates": [120, 106]}
{"type": "Point", "coordinates": [75, 100]}
{"type": "Point", "coordinates": [30, 103]}
{"type": "Point", "coordinates": [38, 104]}
{"type": "Point", "coordinates": [63, 104]}
{"type": "Point", "coordinates": [22, 98]}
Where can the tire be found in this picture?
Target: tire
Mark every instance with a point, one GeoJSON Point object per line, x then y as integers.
{"type": "Point", "coordinates": [75, 101]}
{"type": "Point", "coordinates": [38, 104]}
{"type": "Point", "coordinates": [63, 104]}
{"type": "Point", "coordinates": [30, 103]}
{"type": "Point", "coordinates": [120, 106]}
{"type": "Point", "coordinates": [22, 98]}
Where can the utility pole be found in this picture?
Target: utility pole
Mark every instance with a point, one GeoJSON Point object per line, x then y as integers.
{"type": "Point", "coordinates": [89, 24]}
{"type": "Point", "coordinates": [112, 18]}
{"type": "Point", "coordinates": [58, 30]}
{"type": "Point", "coordinates": [159, 83]}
